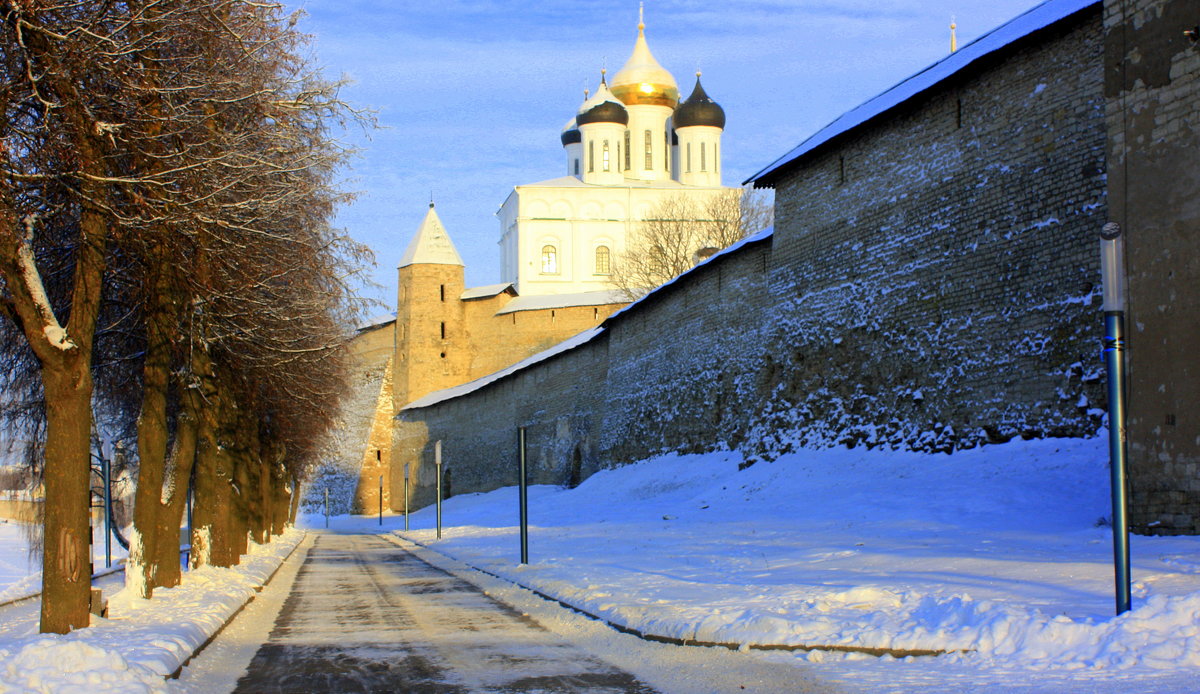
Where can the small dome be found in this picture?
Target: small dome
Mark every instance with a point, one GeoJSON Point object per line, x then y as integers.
{"type": "Point", "coordinates": [570, 133]}
{"type": "Point", "coordinates": [699, 109]}
{"type": "Point", "coordinates": [642, 80]}
{"type": "Point", "coordinates": [603, 107]}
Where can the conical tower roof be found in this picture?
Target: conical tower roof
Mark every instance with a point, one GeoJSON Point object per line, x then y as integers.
{"type": "Point", "coordinates": [431, 245]}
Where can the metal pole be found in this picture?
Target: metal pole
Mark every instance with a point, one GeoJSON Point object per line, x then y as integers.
{"type": "Point", "coordinates": [1112, 267]}
{"type": "Point", "coordinates": [106, 475]}
{"type": "Point", "coordinates": [406, 496]}
{"type": "Point", "coordinates": [523, 496]}
{"type": "Point", "coordinates": [437, 461]}
{"type": "Point", "coordinates": [327, 507]}
{"type": "Point", "coordinates": [381, 499]}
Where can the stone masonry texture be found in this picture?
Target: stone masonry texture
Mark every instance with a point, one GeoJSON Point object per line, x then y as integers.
{"type": "Point", "coordinates": [1152, 85]}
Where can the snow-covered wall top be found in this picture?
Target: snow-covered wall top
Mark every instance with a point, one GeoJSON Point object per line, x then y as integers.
{"type": "Point", "coordinates": [1037, 18]}
{"type": "Point", "coordinates": [580, 339]}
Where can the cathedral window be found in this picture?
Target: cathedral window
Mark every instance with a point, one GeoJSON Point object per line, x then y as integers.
{"type": "Point", "coordinates": [604, 154]}
{"type": "Point", "coordinates": [649, 154]}
{"type": "Point", "coordinates": [591, 157]}
{"type": "Point", "coordinates": [549, 260]}
{"type": "Point", "coordinates": [628, 149]}
{"type": "Point", "coordinates": [689, 157]}
{"type": "Point", "coordinates": [576, 166]}
{"type": "Point", "coordinates": [703, 158]}
{"type": "Point", "coordinates": [667, 152]}
{"type": "Point", "coordinates": [603, 260]}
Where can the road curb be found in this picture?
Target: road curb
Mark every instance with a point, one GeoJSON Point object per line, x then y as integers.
{"type": "Point", "coordinates": [257, 590]}
{"type": "Point", "coordinates": [676, 641]}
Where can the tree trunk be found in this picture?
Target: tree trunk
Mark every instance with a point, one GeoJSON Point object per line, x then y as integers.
{"type": "Point", "coordinates": [295, 499]}
{"type": "Point", "coordinates": [66, 560]}
{"type": "Point", "coordinates": [141, 567]}
{"type": "Point", "coordinates": [174, 496]}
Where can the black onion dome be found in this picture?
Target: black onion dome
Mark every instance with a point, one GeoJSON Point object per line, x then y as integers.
{"type": "Point", "coordinates": [603, 112]}
{"type": "Point", "coordinates": [570, 134]}
{"type": "Point", "coordinates": [699, 109]}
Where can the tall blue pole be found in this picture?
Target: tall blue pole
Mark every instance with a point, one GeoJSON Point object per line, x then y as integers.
{"type": "Point", "coordinates": [523, 495]}
{"type": "Point", "coordinates": [1112, 270]}
{"type": "Point", "coordinates": [106, 469]}
{"type": "Point", "coordinates": [437, 461]}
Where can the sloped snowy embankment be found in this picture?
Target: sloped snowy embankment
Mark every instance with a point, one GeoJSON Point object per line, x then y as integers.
{"type": "Point", "coordinates": [142, 641]}
{"type": "Point", "coordinates": [1002, 551]}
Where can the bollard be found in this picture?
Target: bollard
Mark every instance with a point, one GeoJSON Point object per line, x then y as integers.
{"type": "Point", "coordinates": [523, 495]}
{"type": "Point", "coordinates": [437, 461]}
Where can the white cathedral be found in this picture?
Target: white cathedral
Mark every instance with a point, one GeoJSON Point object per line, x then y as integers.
{"type": "Point", "coordinates": [631, 145]}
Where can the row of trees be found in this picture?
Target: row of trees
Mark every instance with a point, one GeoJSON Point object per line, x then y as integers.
{"type": "Point", "coordinates": [682, 231]}
{"type": "Point", "coordinates": [167, 269]}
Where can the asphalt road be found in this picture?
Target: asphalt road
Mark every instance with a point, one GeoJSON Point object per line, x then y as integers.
{"type": "Point", "coordinates": [365, 615]}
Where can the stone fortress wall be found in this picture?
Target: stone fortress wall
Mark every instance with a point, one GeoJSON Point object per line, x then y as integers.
{"type": "Point", "coordinates": [932, 283]}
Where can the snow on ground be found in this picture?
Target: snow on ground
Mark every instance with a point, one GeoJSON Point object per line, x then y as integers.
{"type": "Point", "coordinates": [1000, 551]}
{"type": "Point", "coordinates": [21, 572]}
{"type": "Point", "coordinates": [141, 641]}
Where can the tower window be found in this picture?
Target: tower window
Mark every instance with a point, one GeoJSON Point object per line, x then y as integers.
{"type": "Point", "coordinates": [576, 166]}
{"type": "Point", "coordinates": [703, 158]}
{"type": "Point", "coordinates": [604, 155]}
{"type": "Point", "coordinates": [549, 260]}
{"type": "Point", "coordinates": [667, 152]}
{"type": "Point", "coordinates": [442, 291]}
{"type": "Point", "coordinates": [628, 149]}
{"type": "Point", "coordinates": [443, 331]}
{"type": "Point", "coordinates": [603, 260]}
{"type": "Point", "coordinates": [649, 154]}
{"type": "Point", "coordinates": [689, 157]}
{"type": "Point", "coordinates": [591, 157]}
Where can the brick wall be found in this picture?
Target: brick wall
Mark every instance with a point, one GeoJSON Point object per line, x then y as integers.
{"type": "Point", "coordinates": [931, 284]}
{"type": "Point", "coordinates": [1153, 88]}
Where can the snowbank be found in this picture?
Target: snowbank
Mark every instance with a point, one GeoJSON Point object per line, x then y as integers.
{"type": "Point", "coordinates": [142, 641]}
{"type": "Point", "coordinates": [1000, 555]}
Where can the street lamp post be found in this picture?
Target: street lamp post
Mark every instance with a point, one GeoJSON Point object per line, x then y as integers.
{"type": "Point", "coordinates": [523, 495]}
{"type": "Point", "coordinates": [406, 496]}
{"type": "Point", "coordinates": [1112, 273]}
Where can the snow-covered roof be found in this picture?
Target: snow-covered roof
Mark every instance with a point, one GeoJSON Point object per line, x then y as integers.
{"type": "Point", "coordinates": [572, 182]}
{"type": "Point", "coordinates": [376, 321]}
{"type": "Point", "coordinates": [485, 291]}
{"type": "Point", "coordinates": [537, 302]}
{"type": "Point", "coordinates": [1035, 19]}
{"type": "Point", "coordinates": [431, 245]}
{"type": "Point", "coordinates": [471, 386]}
{"type": "Point", "coordinates": [569, 344]}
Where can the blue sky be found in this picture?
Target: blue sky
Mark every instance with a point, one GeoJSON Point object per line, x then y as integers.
{"type": "Point", "coordinates": [472, 94]}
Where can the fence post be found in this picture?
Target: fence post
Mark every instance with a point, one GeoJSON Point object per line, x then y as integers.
{"type": "Point", "coordinates": [523, 496]}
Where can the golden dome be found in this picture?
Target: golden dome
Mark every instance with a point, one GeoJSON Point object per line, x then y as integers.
{"type": "Point", "coordinates": [642, 80]}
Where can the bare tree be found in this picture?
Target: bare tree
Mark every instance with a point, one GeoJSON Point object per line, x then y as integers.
{"type": "Point", "coordinates": [681, 232]}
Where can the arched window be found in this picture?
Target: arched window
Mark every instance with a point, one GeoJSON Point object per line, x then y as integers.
{"type": "Point", "coordinates": [549, 260]}
{"type": "Point", "coordinates": [591, 157]}
{"type": "Point", "coordinates": [603, 260]}
{"type": "Point", "coordinates": [649, 149]}
{"type": "Point", "coordinates": [689, 157]}
{"type": "Point", "coordinates": [703, 162]}
{"type": "Point", "coordinates": [604, 154]}
{"type": "Point", "coordinates": [628, 149]}
{"type": "Point", "coordinates": [576, 166]}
